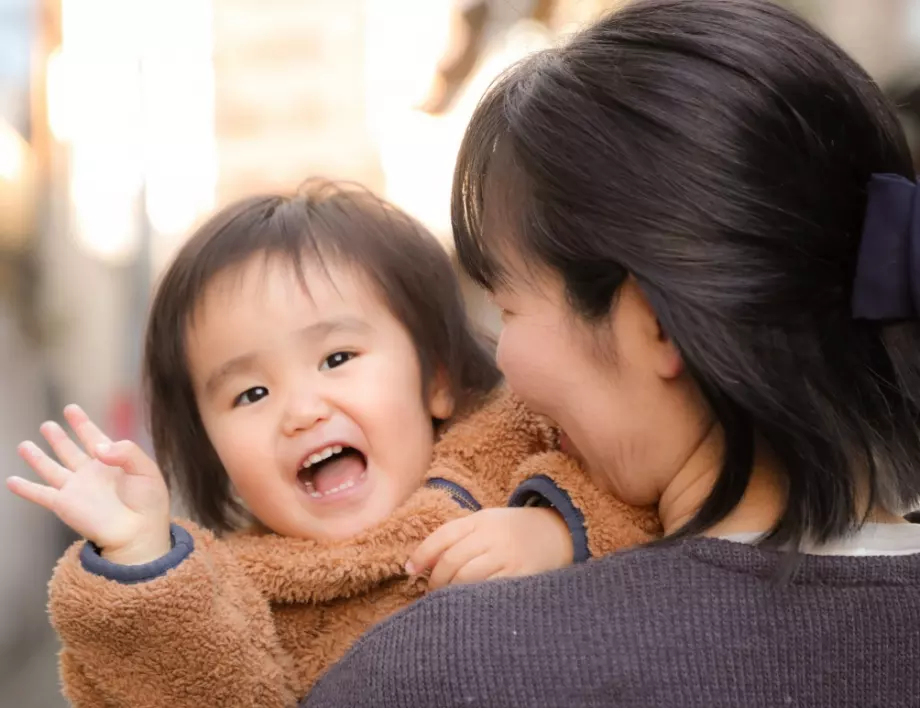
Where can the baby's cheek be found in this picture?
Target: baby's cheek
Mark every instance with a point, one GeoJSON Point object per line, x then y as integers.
{"type": "Point", "coordinates": [236, 457]}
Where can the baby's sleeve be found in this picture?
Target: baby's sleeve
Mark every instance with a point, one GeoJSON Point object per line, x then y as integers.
{"type": "Point", "coordinates": [599, 522]}
{"type": "Point", "coordinates": [481, 453]}
{"type": "Point", "coordinates": [186, 630]}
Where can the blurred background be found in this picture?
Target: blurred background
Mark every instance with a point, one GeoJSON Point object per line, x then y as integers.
{"type": "Point", "coordinates": [124, 122]}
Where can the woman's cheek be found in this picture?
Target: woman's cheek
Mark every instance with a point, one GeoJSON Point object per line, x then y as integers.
{"type": "Point", "coordinates": [515, 366]}
{"type": "Point", "coordinates": [525, 370]}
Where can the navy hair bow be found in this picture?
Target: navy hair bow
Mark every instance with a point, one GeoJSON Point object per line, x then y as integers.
{"type": "Point", "coordinates": [887, 282]}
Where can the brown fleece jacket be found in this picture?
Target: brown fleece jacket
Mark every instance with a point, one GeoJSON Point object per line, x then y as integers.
{"type": "Point", "coordinates": [252, 619]}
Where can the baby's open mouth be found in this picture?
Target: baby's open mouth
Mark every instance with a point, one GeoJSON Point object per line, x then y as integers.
{"type": "Point", "coordinates": [332, 470]}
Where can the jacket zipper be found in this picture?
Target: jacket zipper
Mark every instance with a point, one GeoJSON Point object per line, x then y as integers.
{"type": "Point", "coordinates": [456, 492]}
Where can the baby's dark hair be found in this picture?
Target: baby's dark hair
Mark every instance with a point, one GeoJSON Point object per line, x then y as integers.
{"type": "Point", "coordinates": [322, 222]}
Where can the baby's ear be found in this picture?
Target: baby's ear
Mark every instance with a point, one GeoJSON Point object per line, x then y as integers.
{"type": "Point", "coordinates": [441, 401]}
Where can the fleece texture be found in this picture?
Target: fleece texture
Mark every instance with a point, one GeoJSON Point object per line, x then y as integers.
{"type": "Point", "coordinates": [253, 618]}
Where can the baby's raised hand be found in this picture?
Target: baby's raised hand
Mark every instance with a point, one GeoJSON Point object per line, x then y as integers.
{"type": "Point", "coordinates": [494, 543]}
{"type": "Point", "coordinates": [110, 493]}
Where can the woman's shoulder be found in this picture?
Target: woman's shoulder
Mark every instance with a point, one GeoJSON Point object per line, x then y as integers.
{"type": "Point", "coordinates": [634, 623]}
{"type": "Point", "coordinates": [695, 572]}
{"type": "Point", "coordinates": [552, 596]}
{"type": "Point", "coordinates": [528, 610]}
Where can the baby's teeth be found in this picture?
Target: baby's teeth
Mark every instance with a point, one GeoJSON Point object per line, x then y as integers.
{"type": "Point", "coordinates": [313, 493]}
{"type": "Point", "coordinates": [311, 490]}
{"type": "Point", "coordinates": [322, 455]}
{"type": "Point", "coordinates": [341, 488]}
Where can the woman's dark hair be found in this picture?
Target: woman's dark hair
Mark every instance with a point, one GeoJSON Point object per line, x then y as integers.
{"type": "Point", "coordinates": [717, 152]}
{"type": "Point", "coordinates": [323, 223]}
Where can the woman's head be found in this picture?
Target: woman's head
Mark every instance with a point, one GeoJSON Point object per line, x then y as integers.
{"type": "Point", "coordinates": [299, 355]}
{"type": "Point", "coordinates": [681, 188]}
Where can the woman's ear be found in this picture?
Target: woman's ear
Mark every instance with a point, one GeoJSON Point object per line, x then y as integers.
{"type": "Point", "coordinates": [670, 364]}
{"type": "Point", "coordinates": [655, 345]}
{"type": "Point", "coordinates": [441, 401]}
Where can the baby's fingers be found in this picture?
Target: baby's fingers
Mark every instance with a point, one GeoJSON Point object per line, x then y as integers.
{"type": "Point", "coordinates": [479, 569]}
{"type": "Point", "coordinates": [46, 468]}
{"type": "Point", "coordinates": [128, 456]}
{"type": "Point", "coordinates": [86, 430]}
{"type": "Point", "coordinates": [30, 491]}
{"type": "Point", "coordinates": [67, 451]}
{"type": "Point", "coordinates": [429, 550]}
{"type": "Point", "coordinates": [455, 559]}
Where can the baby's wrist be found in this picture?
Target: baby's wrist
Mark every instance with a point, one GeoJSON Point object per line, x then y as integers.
{"type": "Point", "coordinates": [140, 551]}
{"type": "Point", "coordinates": [554, 517]}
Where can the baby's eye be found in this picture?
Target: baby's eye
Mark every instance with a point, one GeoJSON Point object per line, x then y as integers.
{"type": "Point", "coordinates": [335, 360]}
{"type": "Point", "coordinates": [250, 396]}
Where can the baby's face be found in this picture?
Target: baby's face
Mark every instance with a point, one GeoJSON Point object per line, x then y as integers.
{"type": "Point", "coordinates": [312, 399]}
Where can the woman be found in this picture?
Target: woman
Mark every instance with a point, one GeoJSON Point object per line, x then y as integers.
{"type": "Point", "coordinates": [701, 223]}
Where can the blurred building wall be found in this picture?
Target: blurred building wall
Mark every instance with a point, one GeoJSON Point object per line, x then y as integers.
{"type": "Point", "coordinates": [290, 94]}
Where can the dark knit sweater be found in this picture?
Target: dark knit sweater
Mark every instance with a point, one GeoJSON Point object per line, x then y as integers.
{"type": "Point", "coordinates": [700, 623]}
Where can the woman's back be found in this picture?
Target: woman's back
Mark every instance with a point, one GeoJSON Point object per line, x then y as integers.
{"type": "Point", "coordinates": [700, 623]}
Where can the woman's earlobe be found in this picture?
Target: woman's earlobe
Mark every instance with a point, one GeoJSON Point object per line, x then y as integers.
{"type": "Point", "coordinates": [656, 343]}
{"type": "Point", "coordinates": [671, 363]}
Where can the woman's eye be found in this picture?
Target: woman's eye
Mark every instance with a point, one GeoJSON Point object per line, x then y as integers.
{"type": "Point", "coordinates": [334, 360]}
{"type": "Point", "coordinates": [250, 396]}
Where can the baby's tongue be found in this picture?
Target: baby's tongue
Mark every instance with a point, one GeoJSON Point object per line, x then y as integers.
{"type": "Point", "coordinates": [332, 474]}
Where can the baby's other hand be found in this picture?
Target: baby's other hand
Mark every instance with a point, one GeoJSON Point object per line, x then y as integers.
{"type": "Point", "coordinates": [494, 543]}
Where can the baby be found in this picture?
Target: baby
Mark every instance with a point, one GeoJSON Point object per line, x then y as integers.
{"type": "Point", "coordinates": [336, 430]}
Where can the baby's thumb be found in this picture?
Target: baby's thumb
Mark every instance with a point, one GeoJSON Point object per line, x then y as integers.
{"type": "Point", "coordinates": [129, 457]}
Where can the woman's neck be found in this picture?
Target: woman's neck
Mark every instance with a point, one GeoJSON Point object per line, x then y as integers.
{"type": "Point", "coordinates": [761, 505]}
